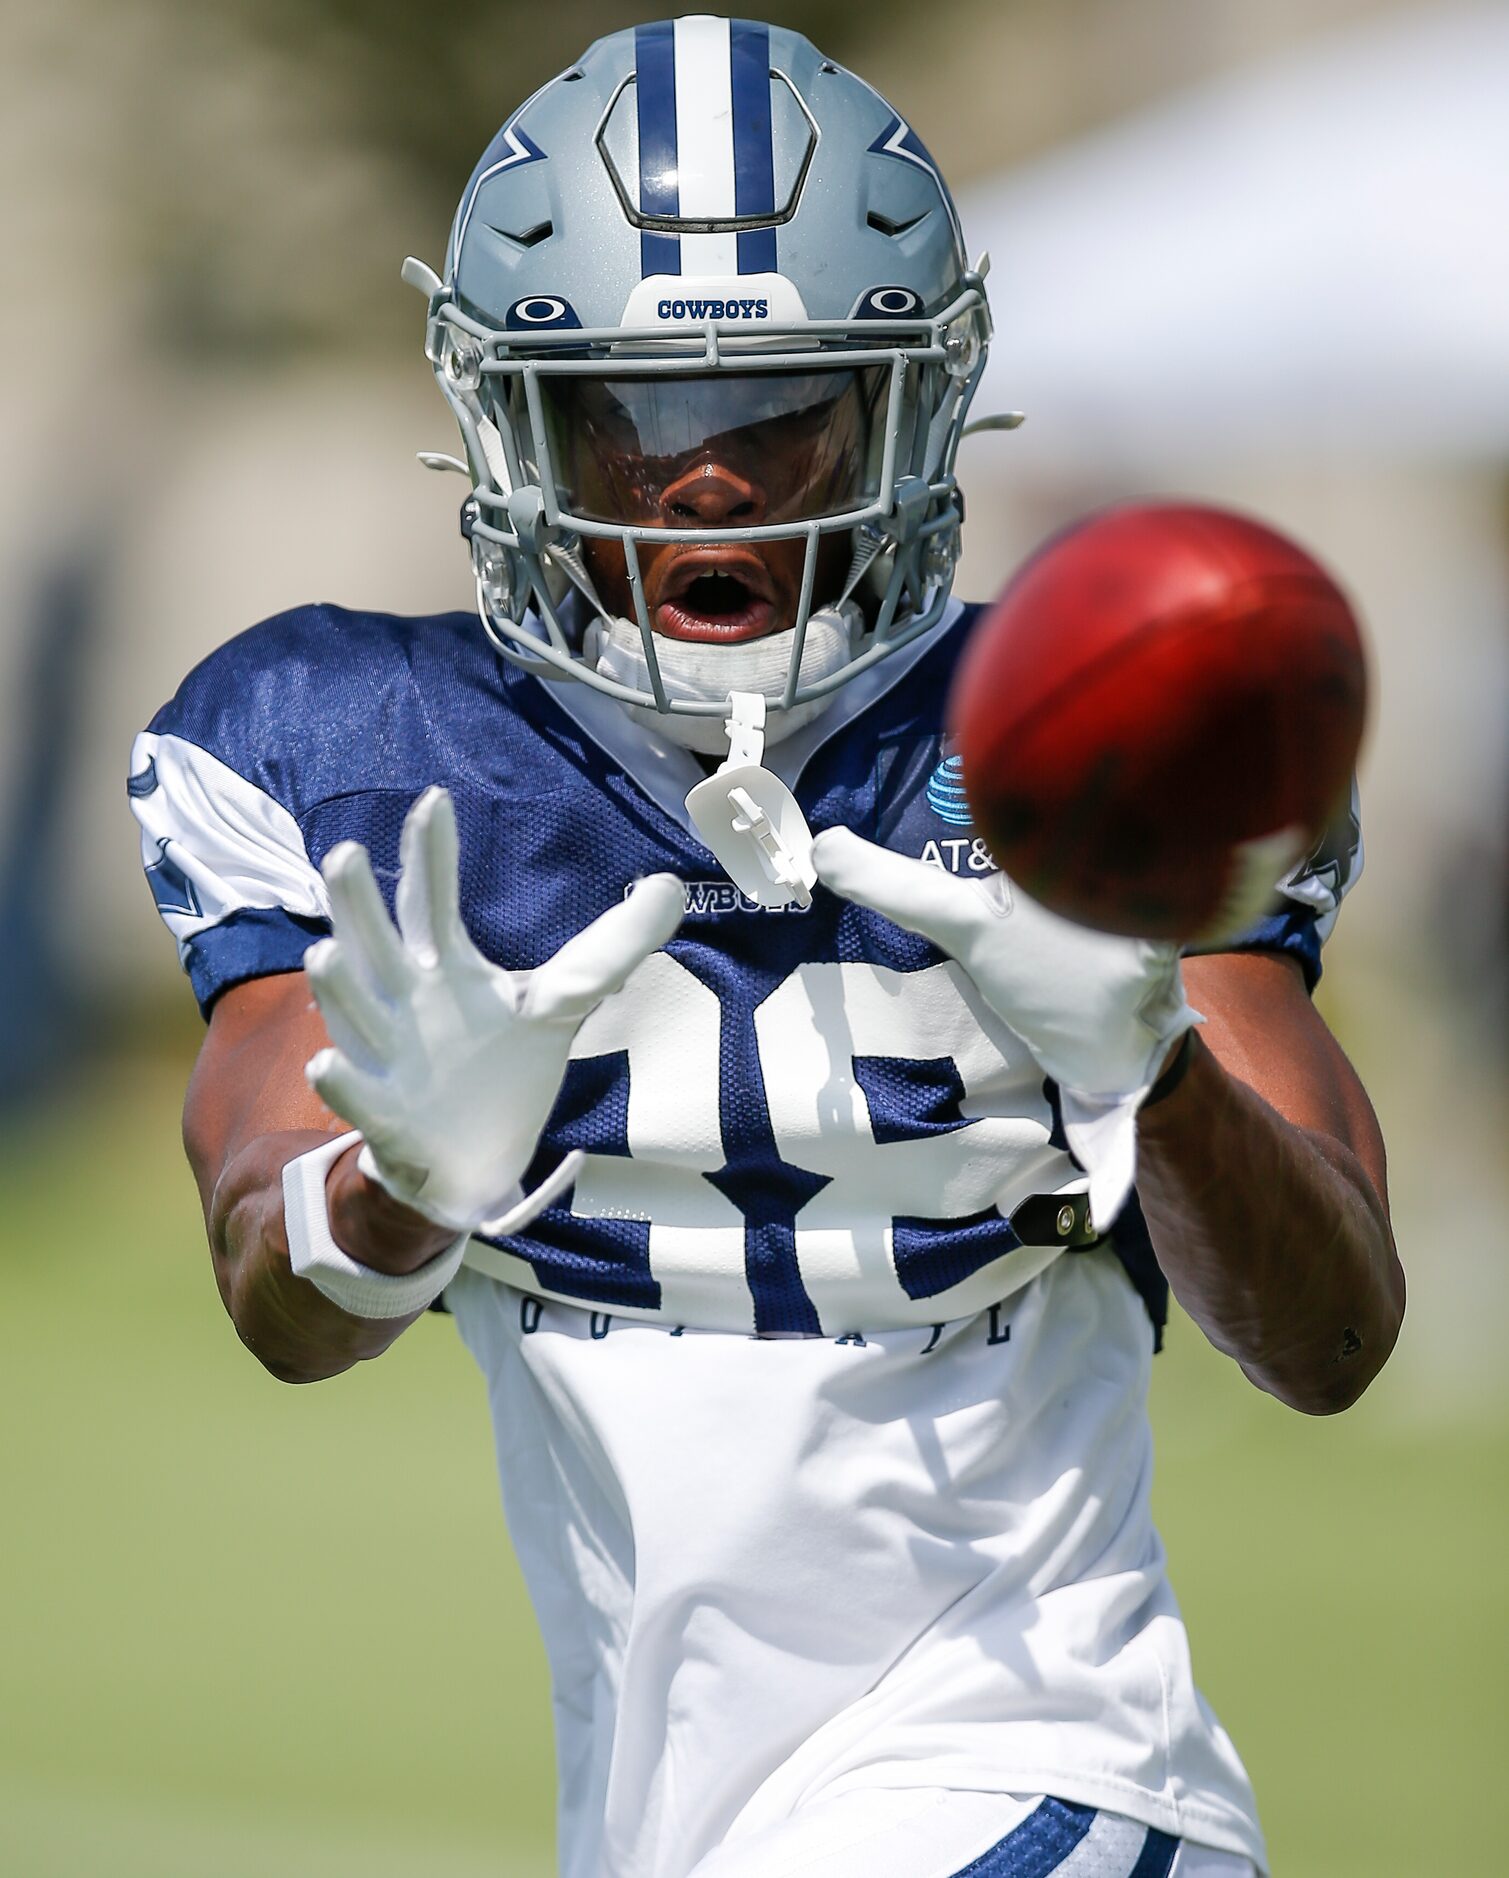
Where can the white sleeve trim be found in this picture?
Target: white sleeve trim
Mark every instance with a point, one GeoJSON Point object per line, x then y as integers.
{"type": "Point", "coordinates": [356, 1288]}
{"type": "Point", "coordinates": [212, 843]}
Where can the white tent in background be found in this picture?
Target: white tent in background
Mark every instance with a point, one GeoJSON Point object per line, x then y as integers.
{"type": "Point", "coordinates": [1315, 254]}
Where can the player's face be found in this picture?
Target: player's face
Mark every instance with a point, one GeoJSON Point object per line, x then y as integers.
{"type": "Point", "coordinates": [716, 452]}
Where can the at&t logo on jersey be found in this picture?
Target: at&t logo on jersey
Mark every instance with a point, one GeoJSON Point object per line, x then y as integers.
{"type": "Point", "coordinates": [955, 854]}
{"type": "Point", "coordinates": [958, 854]}
{"type": "Point", "coordinates": [945, 793]}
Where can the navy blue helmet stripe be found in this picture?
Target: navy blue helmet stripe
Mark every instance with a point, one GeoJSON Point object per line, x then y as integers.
{"type": "Point", "coordinates": [655, 98]}
{"type": "Point", "coordinates": [757, 251]}
{"type": "Point", "coordinates": [1038, 1846]}
{"type": "Point", "coordinates": [659, 254]}
{"type": "Point", "coordinates": [754, 145]}
{"type": "Point", "coordinates": [1156, 1858]}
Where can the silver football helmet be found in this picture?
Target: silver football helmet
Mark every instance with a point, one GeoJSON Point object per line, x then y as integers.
{"type": "Point", "coordinates": [705, 235]}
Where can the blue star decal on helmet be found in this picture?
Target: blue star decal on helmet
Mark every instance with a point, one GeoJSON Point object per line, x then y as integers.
{"type": "Point", "coordinates": [509, 150]}
{"type": "Point", "coordinates": [898, 139]}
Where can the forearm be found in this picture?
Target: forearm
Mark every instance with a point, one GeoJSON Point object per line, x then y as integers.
{"type": "Point", "coordinates": [1273, 1236]}
{"type": "Point", "coordinates": [293, 1329]}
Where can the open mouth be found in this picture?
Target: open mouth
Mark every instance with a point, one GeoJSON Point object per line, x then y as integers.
{"type": "Point", "coordinates": [713, 603]}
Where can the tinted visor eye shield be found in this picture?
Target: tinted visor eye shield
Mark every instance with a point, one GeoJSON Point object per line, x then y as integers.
{"type": "Point", "coordinates": [715, 450]}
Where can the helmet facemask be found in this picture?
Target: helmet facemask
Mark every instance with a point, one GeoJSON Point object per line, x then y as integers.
{"type": "Point", "coordinates": [596, 438]}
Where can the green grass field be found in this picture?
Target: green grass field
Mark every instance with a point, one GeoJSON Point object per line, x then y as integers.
{"type": "Point", "coordinates": [255, 1630]}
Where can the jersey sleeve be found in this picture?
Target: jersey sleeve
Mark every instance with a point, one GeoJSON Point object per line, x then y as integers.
{"type": "Point", "coordinates": [312, 727]}
{"type": "Point", "coordinates": [226, 863]}
{"type": "Point", "coordinates": [1309, 898]}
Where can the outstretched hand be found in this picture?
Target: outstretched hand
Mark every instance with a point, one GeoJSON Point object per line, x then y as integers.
{"type": "Point", "coordinates": [446, 1063]}
{"type": "Point", "coordinates": [1098, 1012]}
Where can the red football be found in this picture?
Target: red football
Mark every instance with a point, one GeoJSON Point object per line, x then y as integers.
{"type": "Point", "coordinates": [1158, 717]}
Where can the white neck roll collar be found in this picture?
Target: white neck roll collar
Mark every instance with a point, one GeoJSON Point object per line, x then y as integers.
{"type": "Point", "coordinates": [708, 673]}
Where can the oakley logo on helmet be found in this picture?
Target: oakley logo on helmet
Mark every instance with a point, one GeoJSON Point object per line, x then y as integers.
{"type": "Point", "coordinates": [888, 303]}
{"type": "Point", "coordinates": [539, 311]}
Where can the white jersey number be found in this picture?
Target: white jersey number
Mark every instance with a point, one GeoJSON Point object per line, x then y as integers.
{"type": "Point", "coordinates": [809, 1031]}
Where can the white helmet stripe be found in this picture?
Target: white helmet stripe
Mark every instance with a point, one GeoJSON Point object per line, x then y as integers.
{"type": "Point", "coordinates": [705, 141]}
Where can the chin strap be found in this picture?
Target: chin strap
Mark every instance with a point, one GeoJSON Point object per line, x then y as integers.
{"type": "Point", "coordinates": [750, 820]}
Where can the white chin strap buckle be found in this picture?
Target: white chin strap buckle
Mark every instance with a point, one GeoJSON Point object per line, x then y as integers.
{"type": "Point", "coordinates": [750, 820]}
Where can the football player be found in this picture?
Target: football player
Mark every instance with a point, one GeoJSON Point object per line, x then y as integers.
{"type": "Point", "coordinates": [779, 1185]}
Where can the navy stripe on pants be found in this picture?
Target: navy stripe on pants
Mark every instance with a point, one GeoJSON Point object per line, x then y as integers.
{"type": "Point", "coordinates": [1048, 1837]}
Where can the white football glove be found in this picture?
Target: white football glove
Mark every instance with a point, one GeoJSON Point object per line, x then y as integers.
{"type": "Point", "coordinates": [1098, 1013]}
{"type": "Point", "coordinates": [447, 1064]}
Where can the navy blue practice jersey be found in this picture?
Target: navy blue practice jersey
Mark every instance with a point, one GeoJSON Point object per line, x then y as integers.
{"type": "Point", "coordinates": [795, 1121]}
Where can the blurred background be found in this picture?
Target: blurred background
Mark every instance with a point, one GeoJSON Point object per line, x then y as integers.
{"type": "Point", "coordinates": [1246, 251]}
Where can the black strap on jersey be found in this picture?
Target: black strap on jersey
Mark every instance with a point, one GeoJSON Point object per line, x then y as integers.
{"type": "Point", "coordinates": [1056, 1219]}
{"type": "Point", "coordinates": [1064, 1219]}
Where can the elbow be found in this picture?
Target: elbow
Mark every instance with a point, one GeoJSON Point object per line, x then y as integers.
{"type": "Point", "coordinates": [1327, 1394]}
{"type": "Point", "coordinates": [287, 1372]}
{"type": "Point", "coordinates": [296, 1373]}
{"type": "Point", "coordinates": [284, 1348]}
{"type": "Point", "coordinates": [291, 1331]}
{"type": "Point", "coordinates": [1315, 1391]}
{"type": "Point", "coordinates": [295, 1365]}
{"type": "Point", "coordinates": [1337, 1376]}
